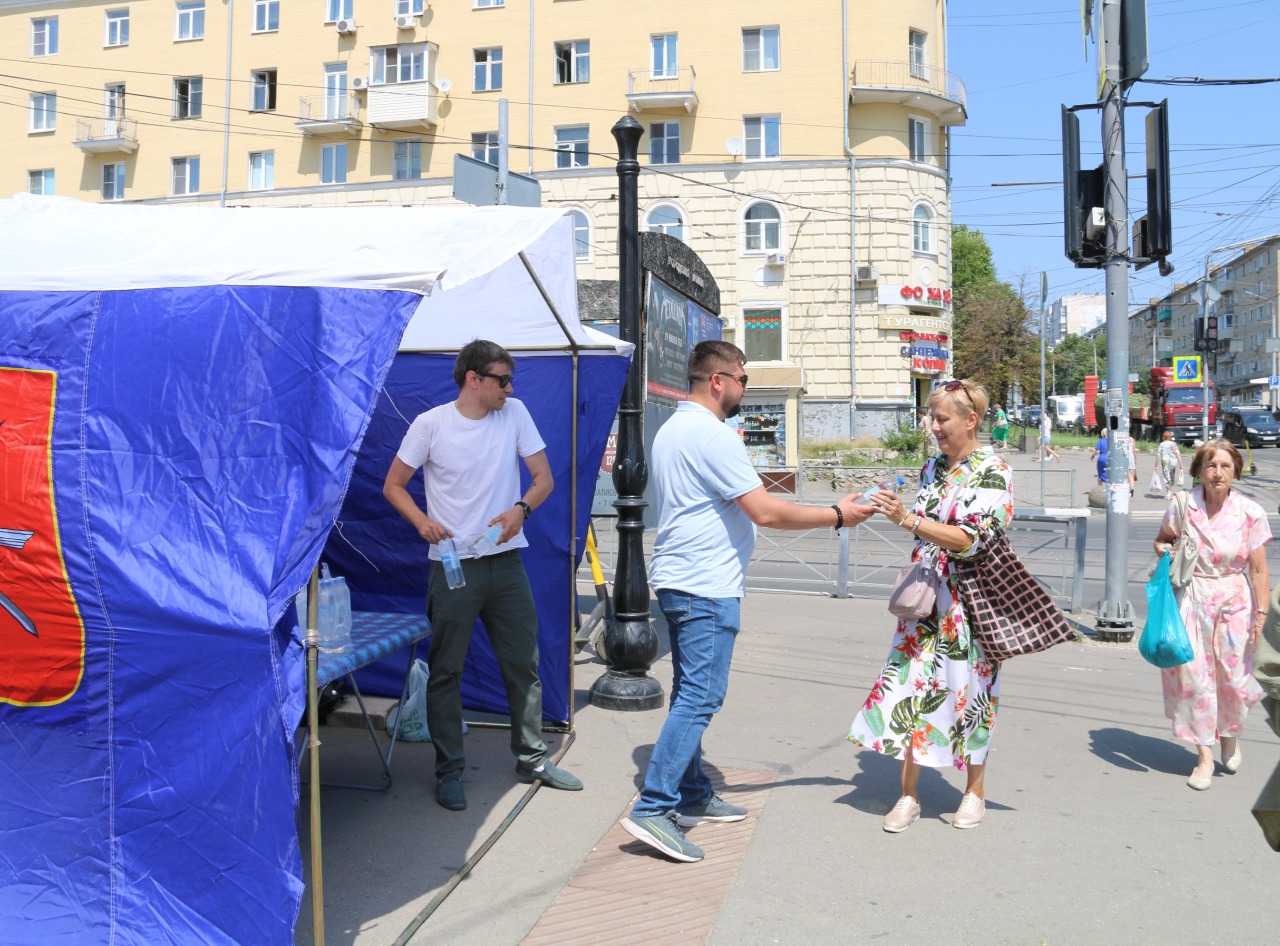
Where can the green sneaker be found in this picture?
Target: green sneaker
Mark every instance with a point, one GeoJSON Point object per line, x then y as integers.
{"type": "Point", "coordinates": [663, 834]}
{"type": "Point", "coordinates": [714, 808]}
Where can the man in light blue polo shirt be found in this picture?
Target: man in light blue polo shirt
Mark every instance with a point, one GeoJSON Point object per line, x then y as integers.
{"type": "Point", "coordinates": [709, 500]}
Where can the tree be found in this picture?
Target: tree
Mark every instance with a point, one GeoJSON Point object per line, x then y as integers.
{"type": "Point", "coordinates": [1076, 356]}
{"type": "Point", "coordinates": [972, 271]}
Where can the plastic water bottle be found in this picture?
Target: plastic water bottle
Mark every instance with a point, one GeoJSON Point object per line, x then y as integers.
{"type": "Point", "coordinates": [452, 564]}
{"type": "Point", "coordinates": [333, 609]}
{"type": "Point", "coordinates": [882, 486]}
{"type": "Point", "coordinates": [488, 539]}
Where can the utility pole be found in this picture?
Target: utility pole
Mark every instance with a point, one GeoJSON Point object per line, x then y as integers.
{"type": "Point", "coordinates": [1115, 616]}
{"type": "Point", "coordinates": [1044, 454]}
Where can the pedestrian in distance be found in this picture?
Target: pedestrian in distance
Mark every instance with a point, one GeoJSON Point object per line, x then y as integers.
{"type": "Point", "coordinates": [935, 700]}
{"type": "Point", "coordinates": [1099, 455]}
{"type": "Point", "coordinates": [470, 451]}
{"type": "Point", "coordinates": [1000, 430]}
{"type": "Point", "coordinates": [1168, 469]}
{"type": "Point", "coordinates": [1047, 452]}
{"type": "Point", "coordinates": [1131, 455]}
{"type": "Point", "coordinates": [709, 501]}
{"type": "Point", "coordinates": [1223, 609]}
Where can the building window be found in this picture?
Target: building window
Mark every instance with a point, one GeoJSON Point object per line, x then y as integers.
{"type": "Point", "coordinates": [762, 334]}
{"type": "Point", "coordinates": [335, 10]}
{"type": "Point", "coordinates": [760, 51]}
{"type": "Point", "coordinates": [44, 111]}
{"type": "Point", "coordinates": [409, 7]}
{"type": "Point", "coordinates": [188, 96]}
{"type": "Point", "coordinates": [573, 61]}
{"type": "Point", "coordinates": [264, 90]}
{"type": "Point", "coordinates": [44, 36]}
{"type": "Point", "coordinates": [664, 55]}
{"type": "Point", "coordinates": [333, 164]}
{"type": "Point", "coordinates": [406, 162]}
{"type": "Point", "coordinates": [761, 135]}
{"type": "Point", "coordinates": [117, 28]}
{"type": "Point", "coordinates": [113, 101]}
{"type": "Point", "coordinates": [581, 235]}
{"type": "Point", "coordinates": [186, 176]}
{"type": "Point", "coordinates": [190, 23]}
{"type": "Point", "coordinates": [484, 146]}
{"type": "Point", "coordinates": [488, 69]}
{"type": "Point", "coordinates": [113, 182]}
{"type": "Point", "coordinates": [917, 139]}
{"type": "Point", "coordinates": [262, 170]}
{"type": "Point", "coordinates": [266, 16]}
{"type": "Point", "coordinates": [664, 142]}
{"type": "Point", "coordinates": [916, 54]}
{"type": "Point", "coordinates": [666, 218]}
{"type": "Point", "coordinates": [571, 147]}
{"type": "Point", "coordinates": [480, 4]}
{"type": "Point", "coordinates": [336, 104]}
{"type": "Point", "coordinates": [404, 63]}
{"type": "Point", "coordinates": [763, 229]}
{"type": "Point", "coordinates": [922, 229]}
{"type": "Point", "coordinates": [40, 182]}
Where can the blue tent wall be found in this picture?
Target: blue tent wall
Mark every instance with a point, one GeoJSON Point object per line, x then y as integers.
{"type": "Point", "coordinates": [384, 559]}
{"type": "Point", "coordinates": [201, 442]}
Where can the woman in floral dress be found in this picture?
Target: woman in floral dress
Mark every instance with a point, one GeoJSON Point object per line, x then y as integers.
{"type": "Point", "coordinates": [1168, 466]}
{"type": "Point", "coordinates": [1223, 608]}
{"type": "Point", "coordinates": [935, 701]}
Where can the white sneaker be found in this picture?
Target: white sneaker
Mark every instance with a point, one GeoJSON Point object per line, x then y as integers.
{"type": "Point", "coordinates": [902, 815]}
{"type": "Point", "coordinates": [970, 813]}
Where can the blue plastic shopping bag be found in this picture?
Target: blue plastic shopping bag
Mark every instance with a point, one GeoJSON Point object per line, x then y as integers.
{"type": "Point", "coordinates": [1164, 640]}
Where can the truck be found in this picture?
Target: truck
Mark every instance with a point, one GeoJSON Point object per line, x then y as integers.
{"type": "Point", "coordinates": [1175, 406]}
{"type": "Point", "coordinates": [1067, 411]}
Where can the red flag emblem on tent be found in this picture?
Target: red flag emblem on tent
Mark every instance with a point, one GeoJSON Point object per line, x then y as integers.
{"type": "Point", "coordinates": [41, 634]}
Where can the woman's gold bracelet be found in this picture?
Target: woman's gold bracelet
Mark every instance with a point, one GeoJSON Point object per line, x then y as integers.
{"type": "Point", "coordinates": [903, 521]}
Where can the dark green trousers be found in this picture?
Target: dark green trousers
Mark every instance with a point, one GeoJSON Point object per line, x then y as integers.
{"type": "Point", "coordinates": [498, 592]}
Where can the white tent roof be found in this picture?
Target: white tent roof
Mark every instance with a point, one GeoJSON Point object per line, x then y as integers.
{"type": "Point", "coordinates": [465, 261]}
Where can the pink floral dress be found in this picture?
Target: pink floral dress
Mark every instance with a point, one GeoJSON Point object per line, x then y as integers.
{"type": "Point", "coordinates": [937, 693]}
{"type": "Point", "coordinates": [1209, 697]}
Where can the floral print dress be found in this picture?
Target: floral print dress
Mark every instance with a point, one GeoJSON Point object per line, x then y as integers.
{"type": "Point", "coordinates": [1167, 465]}
{"type": "Point", "coordinates": [1210, 697]}
{"type": "Point", "coordinates": [937, 693]}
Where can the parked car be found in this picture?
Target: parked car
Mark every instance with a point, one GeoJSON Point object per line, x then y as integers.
{"type": "Point", "coordinates": [1030, 416]}
{"type": "Point", "coordinates": [1253, 425]}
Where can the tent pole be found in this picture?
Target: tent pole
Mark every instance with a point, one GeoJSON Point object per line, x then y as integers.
{"type": "Point", "coordinates": [313, 746]}
{"type": "Point", "coordinates": [573, 466]}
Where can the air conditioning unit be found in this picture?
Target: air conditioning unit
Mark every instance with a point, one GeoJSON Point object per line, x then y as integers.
{"type": "Point", "coordinates": [345, 27]}
{"type": "Point", "coordinates": [777, 259]}
{"type": "Point", "coordinates": [406, 21]}
{"type": "Point", "coordinates": [359, 83]}
{"type": "Point", "coordinates": [867, 272]}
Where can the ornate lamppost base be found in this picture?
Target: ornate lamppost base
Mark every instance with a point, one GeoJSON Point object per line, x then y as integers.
{"type": "Point", "coordinates": [628, 692]}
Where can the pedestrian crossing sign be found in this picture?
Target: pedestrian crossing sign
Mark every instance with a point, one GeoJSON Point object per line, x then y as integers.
{"type": "Point", "coordinates": [1186, 368]}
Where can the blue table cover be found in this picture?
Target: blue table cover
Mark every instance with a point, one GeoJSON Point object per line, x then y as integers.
{"type": "Point", "coordinates": [374, 635]}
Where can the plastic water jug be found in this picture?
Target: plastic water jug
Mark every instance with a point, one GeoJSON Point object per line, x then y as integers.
{"type": "Point", "coordinates": [333, 608]}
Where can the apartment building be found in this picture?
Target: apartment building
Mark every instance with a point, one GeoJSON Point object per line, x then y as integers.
{"type": "Point", "coordinates": [1075, 314]}
{"type": "Point", "coordinates": [800, 149]}
{"type": "Point", "coordinates": [1241, 295]}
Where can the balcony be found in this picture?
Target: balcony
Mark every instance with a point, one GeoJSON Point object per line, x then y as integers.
{"type": "Point", "coordinates": [904, 83]}
{"type": "Point", "coordinates": [107, 135]}
{"type": "Point", "coordinates": [330, 114]}
{"type": "Point", "coordinates": [403, 105]}
{"type": "Point", "coordinates": [645, 90]}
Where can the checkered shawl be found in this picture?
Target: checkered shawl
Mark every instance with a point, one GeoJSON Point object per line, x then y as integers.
{"type": "Point", "coordinates": [1009, 611]}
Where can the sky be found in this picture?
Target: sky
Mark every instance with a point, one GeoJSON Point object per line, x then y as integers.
{"type": "Point", "coordinates": [1021, 60]}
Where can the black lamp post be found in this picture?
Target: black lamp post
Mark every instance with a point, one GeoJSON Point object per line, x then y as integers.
{"type": "Point", "coordinates": [630, 641]}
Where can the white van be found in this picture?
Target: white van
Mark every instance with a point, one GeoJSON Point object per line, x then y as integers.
{"type": "Point", "coordinates": [1068, 412]}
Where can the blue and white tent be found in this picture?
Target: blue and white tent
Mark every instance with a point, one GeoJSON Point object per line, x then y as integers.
{"type": "Point", "coordinates": [184, 395]}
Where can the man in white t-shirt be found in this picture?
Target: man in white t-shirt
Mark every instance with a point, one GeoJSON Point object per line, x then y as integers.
{"type": "Point", "coordinates": [470, 451]}
{"type": "Point", "coordinates": [709, 500]}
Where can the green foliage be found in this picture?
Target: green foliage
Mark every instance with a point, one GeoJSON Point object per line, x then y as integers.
{"type": "Point", "coordinates": [905, 438]}
{"type": "Point", "coordinates": [1076, 356]}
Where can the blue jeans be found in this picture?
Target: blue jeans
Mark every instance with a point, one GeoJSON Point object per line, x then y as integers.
{"type": "Point", "coordinates": [702, 633]}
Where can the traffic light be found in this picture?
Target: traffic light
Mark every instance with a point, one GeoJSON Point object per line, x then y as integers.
{"type": "Point", "coordinates": [1198, 326]}
{"type": "Point", "coordinates": [1211, 333]}
{"type": "Point", "coordinates": [1082, 201]}
{"type": "Point", "coordinates": [1159, 229]}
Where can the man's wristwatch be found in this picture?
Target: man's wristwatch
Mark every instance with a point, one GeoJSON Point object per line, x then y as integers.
{"type": "Point", "coordinates": [528, 511]}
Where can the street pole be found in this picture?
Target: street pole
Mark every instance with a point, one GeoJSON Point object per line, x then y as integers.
{"type": "Point", "coordinates": [631, 640]}
{"type": "Point", "coordinates": [1044, 454]}
{"type": "Point", "coordinates": [1115, 616]}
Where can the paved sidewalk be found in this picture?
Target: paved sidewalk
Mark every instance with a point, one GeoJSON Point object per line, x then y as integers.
{"type": "Point", "coordinates": [1091, 836]}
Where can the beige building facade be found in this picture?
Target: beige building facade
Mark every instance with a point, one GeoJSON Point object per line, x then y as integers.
{"type": "Point", "coordinates": [801, 149]}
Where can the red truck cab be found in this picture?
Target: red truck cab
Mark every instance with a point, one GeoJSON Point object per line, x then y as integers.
{"type": "Point", "coordinates": [1178, 406]}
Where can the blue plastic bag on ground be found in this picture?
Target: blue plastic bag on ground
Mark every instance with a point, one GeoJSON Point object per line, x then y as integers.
{"type": "Point", "coordinates": [1164, 640]}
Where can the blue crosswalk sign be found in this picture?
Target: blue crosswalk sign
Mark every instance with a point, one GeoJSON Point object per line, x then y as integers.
{"type": "Point", "coordinates": [1186, 368]}
{"type": "Point", "coordinates": [1186, 371]}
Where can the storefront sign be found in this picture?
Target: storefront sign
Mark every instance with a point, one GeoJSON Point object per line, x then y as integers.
{"type": "Point", "coordinates": [917, 323]}
{"type": "Point", "coordinates": [927, 365]}
{"type": "Point", "coordinates": [931, 297]}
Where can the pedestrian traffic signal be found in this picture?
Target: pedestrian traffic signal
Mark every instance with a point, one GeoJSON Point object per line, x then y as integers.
{"type": "Point", "coordinates": [1197, 325]}
{"type": "Point", "coordinates": [1211, 333]}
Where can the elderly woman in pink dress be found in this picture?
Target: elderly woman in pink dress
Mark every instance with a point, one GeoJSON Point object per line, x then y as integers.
{"type": "Point", "coordinates": [1224, 608]}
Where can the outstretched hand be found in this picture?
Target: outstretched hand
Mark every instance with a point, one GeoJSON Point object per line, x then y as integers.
{"type": "Point", "coordinates": [855, 513]}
